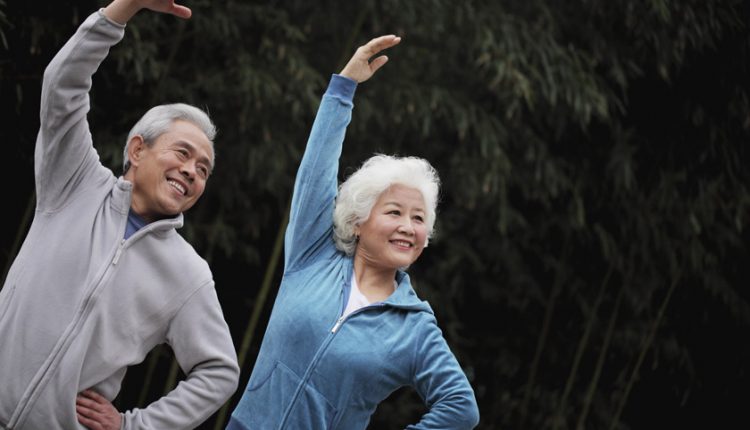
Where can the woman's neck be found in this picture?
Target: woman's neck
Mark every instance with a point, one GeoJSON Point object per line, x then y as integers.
{"type": "Point", "coordinates": [374, 283]}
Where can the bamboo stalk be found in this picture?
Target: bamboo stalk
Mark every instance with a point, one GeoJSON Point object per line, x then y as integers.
{"type": "Point", "coordinates": [600, 361]}
{"type": "Point", "coordinates": [642, 354]}
{"type": "Point", "coordinates": [542, 340]}
{"type": "Point", "coordinates": [150, 367]}
{"type": "Point", "coordinates": [260, 302]}
{"type": "Point", "coordinates": [582, 344]}
{"type": "Point", "coordinates": [171, 381]}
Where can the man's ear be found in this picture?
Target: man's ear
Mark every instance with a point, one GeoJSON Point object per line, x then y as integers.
{"type": "Point", "coordinates": [136, 146]}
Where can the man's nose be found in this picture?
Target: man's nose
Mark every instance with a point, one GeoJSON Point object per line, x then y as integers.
{"type": "Point", "coordinates": [189, 169]}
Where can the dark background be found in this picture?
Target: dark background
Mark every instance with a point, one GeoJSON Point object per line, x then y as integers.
{"type": "Point", "coordinates": [590, 264]}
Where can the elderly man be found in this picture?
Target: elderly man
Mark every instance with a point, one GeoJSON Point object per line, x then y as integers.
{"type": "Point", "coordinates": [103, 276]}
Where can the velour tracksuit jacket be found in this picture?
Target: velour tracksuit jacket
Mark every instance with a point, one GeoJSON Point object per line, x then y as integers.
{"type": "Point", "coordinates": [318, 371]}
{"type": "Point", "coordinates": [80, 304]}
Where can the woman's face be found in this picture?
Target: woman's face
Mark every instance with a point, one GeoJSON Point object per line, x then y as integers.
{"type": "Point", "coordinates": [395, 233]}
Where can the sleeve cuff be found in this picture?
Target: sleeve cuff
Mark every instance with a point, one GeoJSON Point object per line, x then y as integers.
{"type": "Point", "coordinates": [341, 87]}
{"type": "Point", "coordinates": [108, 19]}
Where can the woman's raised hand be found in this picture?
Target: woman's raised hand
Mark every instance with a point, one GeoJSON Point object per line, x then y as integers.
{"type": "Point", "coordinates": [360, 68]}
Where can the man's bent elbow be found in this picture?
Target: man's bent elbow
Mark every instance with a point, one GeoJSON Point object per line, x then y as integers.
{"type": "Point", "coordinates": [232, 381]}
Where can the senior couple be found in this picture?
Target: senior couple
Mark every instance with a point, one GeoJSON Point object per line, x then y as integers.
{"type": "Point", "coordinates": [103, 275]}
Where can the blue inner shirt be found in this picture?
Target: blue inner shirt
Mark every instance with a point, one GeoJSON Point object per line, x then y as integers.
{"type": "Point", "coordinates": [135, 222]}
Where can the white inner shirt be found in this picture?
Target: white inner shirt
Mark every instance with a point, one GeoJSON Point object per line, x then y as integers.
{"type": "Point", "coordinates": [358, 300]}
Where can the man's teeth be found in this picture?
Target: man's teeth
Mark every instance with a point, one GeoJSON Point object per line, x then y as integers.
{"type": "Point", "coordinates": [176, 185]}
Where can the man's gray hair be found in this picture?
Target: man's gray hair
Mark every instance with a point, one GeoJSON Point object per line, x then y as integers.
{"type": "Point", "coordinates": [157, 121]}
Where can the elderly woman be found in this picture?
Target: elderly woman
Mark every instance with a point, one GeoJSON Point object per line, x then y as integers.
{"type": "Point", "coordinates": [347, 328]}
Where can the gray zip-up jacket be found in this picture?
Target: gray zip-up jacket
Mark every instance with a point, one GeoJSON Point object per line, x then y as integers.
{"type": "Point", "coordinates": [80, 304]}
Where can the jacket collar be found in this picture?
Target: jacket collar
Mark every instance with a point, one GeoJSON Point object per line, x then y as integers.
{"type": "Point", "coordinates": [404, 297]}
{"type": "Point", "coordinates": [121, 200]}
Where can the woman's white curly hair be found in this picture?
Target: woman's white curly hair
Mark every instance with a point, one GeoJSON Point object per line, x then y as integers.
{"type": "Point", "coordinates": [358, 194]}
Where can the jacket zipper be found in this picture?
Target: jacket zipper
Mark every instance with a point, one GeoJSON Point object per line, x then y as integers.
{"type": "Point", "coordinates": [314, 362]}
{"type": "Point", "coordinates": [33, 393]}
{"type": "Point", "coordinates": [338, 324]}
{"type": "Point", "coordinates": [118, 253]}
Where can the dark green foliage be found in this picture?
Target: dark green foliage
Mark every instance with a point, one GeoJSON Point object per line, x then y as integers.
{"type": "Point", "coordinates": [590, 261]}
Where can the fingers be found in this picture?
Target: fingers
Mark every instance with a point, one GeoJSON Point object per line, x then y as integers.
{"type": "Point", "coordinates": [380, 43]}
{"type": "Point", "coordinates": [89, 423]}
{"type": "Point", "coordinates": [377, 63]}
{"type": "Point", "coordinates": [96, 412]}
{"type": "Point", "coordinates": [170, 7]}
{"type": "Point", "coordinates": [87, 406]}
{"type": "Point", "coordinates": [181, 11]}
{"type": "Point", "coordinates": [88, 411]}
{"type": "Point", "coordinates": [94, 396]}
{"type": "Point", "coordinates": [360, 68]}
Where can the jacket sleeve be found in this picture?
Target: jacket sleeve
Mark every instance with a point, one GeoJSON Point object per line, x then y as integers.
{"type": "Point", "coordinates": [64, 156]}
{"type": "Point", "coordinates": [442, 384]}
{"type": "Point", "coordinates": [203, 347]}
{"type": "Point", "coordinates": [309, 232]}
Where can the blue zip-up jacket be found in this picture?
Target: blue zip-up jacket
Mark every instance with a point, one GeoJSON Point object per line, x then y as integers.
{"type": "Point", "coordinates": [316, 370]}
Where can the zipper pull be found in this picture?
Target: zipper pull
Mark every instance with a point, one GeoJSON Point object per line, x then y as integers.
{"type": "Point", "coordinates": [117, 254]}
{"type": "Point", "coordinates": [338, 324]}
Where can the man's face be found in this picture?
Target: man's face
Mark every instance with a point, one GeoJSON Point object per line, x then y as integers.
{"type": "Point", "coordinates": [169, 176]}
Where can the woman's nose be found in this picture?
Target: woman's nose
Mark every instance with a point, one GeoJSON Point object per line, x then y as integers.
{"type": "Point", "coordinates": [406, 227]}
